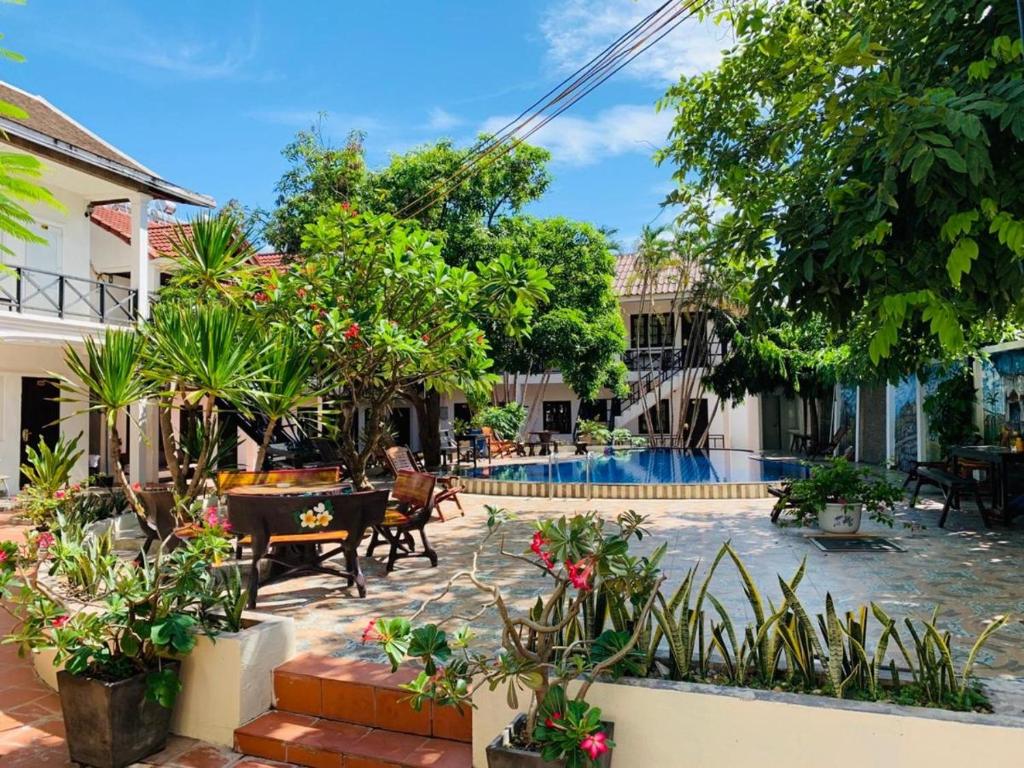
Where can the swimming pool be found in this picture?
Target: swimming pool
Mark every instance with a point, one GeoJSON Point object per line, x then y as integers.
{"type": "Point", "coordinates": [652, 466]}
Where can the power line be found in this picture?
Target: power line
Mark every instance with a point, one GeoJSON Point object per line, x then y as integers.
{"type": "Point", "coordinates": [640, 37]}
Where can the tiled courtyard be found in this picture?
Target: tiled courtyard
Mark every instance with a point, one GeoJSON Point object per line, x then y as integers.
{"type": "Point", "coordinates": [972, 573]}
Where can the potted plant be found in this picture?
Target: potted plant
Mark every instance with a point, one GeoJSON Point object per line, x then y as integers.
{"type": "Point", "coordinates": [48, 471]}
{"type": "Point", "coordinates": [836, 494]}
{"type": "Point", "coordinates": [592, 432]}
{"type": "Point", "coordinates": [120, 645]}
{"type": "Point", "coordinates": [555, 650]}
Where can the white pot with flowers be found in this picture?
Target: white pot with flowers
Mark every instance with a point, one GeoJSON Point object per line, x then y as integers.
{"type": "Point", "coordinates": [837, 494]}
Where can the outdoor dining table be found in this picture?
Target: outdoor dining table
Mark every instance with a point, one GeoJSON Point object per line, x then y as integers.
{"type": "Point", "coordinates": [544, 440]}
{"type": "Point", "coordinates": [1004, 473]}
{"type": "Point", "coordinates": [288, 526]}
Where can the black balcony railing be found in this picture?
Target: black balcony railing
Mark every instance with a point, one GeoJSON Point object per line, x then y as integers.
{"type": "Point", "coordinates": [674, 359]}
{"type": "Point", "coordinates": [36, 291]}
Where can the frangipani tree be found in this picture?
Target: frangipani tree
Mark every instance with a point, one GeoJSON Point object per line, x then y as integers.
{"type": "Point", "coordinates": [384, 313]}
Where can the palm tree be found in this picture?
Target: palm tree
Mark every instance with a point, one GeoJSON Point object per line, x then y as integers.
{"type": "Point", "coordinates": [199, 355]}
{"type": "Point", "coordinates": [109, 380]}
{"type": "Point", "coordinates": [212, 257]}
{"type": "Point", "coordinates": [288, 367]}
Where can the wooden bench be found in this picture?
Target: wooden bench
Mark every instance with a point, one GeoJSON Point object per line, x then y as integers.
{"type": "Point", "coordinates": [951, 486]}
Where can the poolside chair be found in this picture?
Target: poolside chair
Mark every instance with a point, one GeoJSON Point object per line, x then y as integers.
{"type": "Point", "coordinates": [413, 502]}
{"type": "Point", "coordinates": [496, 446]}
{"type": "Point", "coordinates": [829, 448]}
{"type": "Point", "coordinates": [400, 458]}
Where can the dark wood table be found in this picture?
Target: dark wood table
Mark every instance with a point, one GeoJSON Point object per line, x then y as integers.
{"type": "Point", "coordinates": [544, 439]}
{"type": "Point", "coordinates": [1005, 474]}
{"type": "Point", "coordinates": [289, 525]}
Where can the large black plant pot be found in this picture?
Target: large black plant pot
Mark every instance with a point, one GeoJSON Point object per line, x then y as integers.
{"type": "Point", "coordinates": [111, 725]}
{"type": "Point", "coordinates": [499, 756]}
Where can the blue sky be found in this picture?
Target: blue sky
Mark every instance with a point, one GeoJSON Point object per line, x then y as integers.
{"type": "Point", "coordinates": [207, 93]}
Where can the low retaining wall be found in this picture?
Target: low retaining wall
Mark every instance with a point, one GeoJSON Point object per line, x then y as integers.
{"type": "Point", "coordinates": [659, 723]}
{"type": "Point", "coordinates": [614, 490]}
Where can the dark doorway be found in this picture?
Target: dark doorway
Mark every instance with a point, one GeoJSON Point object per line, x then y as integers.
{"type": "Point", "coordinates": [771, 422]}
{"type": "Point", "coordinates": [40, 413]}
{"type": "Point", "coordinates": [400, 425]}
{"type": "Point", "coordinates": [696, 421]}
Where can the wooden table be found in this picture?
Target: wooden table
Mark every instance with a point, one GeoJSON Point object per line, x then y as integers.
{"type": "Point", "coordinates": [1005, 474]}
{"type": "Point", "coordinates": [799, 441]}
{"type": "Point", "coordinates": [288, 525]}
{"type": "Point", "coordinates": [544, 438]}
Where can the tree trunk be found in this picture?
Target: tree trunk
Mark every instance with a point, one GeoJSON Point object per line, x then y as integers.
{"type": "Point", "coordinates": [129, 492]}
{"type": "Point", "coordinates": [268, 435]}
{"type": "Point", "coordinates": [428, 414]}
{"type": "Point", "coordinates": [815, 427]}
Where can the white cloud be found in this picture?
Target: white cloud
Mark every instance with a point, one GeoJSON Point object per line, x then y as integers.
{"type": "Point", "coordinates": [580, 141]}
{"type": "Point", "coordinates": [577, 30]}
{"type": "Point", "coordinates": [442, 120]}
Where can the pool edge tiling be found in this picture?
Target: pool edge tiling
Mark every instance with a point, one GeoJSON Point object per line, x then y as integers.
{"type": "Point", "coordinates": [751, 490]}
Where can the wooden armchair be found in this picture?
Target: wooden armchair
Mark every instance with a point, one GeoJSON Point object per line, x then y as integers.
{"type": "Point", "coordinates": [496, 446]}
{"type": "Point", "coordinates": [413, 503]}
{"type": "Point", "coordinates": [401, 459]}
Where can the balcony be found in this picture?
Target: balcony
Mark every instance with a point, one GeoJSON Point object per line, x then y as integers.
{"type": "Point", "coordinates": [38, 292]}
{"type": "Point", "coordinates": [673, 359]}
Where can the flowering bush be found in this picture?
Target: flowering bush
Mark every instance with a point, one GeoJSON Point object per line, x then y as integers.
{"type": "Point", "coordinates": [561, 639]}
{"type": "Point", "coordinates": [126, 616]}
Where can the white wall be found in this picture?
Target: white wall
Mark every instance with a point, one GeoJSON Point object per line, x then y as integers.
{"type": "Point", "coordinates": [75, 227]}
{"type": "Point", "coordinates": [16, 361]}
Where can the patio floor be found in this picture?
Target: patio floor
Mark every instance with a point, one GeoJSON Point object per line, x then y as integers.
{"type": "Point", "coordinates": [971, 573]}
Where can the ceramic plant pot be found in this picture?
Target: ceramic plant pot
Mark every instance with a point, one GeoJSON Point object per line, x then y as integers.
{"type": "Point", "coordinates": [501, 756]}
{"type": "Point", "coordinates": [840, 518]}
{"type": "Point", "coordinates": [111, 725]}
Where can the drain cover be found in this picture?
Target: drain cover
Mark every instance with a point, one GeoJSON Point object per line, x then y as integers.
{"type": "Point", "coordinates": [855, 544]}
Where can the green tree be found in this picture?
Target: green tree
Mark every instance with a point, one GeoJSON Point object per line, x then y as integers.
{"type": "Point", "coordinates": [383, 313]}
{"type": "Point", "coordinates": [866, 158]}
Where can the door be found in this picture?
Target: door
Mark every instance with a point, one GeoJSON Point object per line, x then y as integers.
{"type": "Point", "coordinates": [40, 413]}
{"type": "Point", "coordinates": [771, 422]}
{"type": "Point", "coordinates": [400, 424]}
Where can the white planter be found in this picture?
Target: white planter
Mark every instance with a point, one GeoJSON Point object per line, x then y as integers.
{"type": "Point", "coordinates": [727, 727]}
{"type": "Point", "coordinates": [226, 681]}
{"type": "Point", "coordinates": [124, 526]}
{"type": "Point", "coordinates": [840, 518]}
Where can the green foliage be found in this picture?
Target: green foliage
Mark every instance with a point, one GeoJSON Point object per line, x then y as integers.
{"type": "Point", "coordinates": [211, 259]}
{"type": "Point", "coordinates": [783, 648]}
{"type": "Point", "coordinates": [867, 162]}
{"type": "Point", "coordinates": [950, 410]}
{"type": "Point", "coordinates": [506, 420]}
{"type": "Point", "coordinates": [842, 482]}
{"type": "Point", "coordinates": [48, 472]}
{"type": "Point", "coordinates": [383, 315]}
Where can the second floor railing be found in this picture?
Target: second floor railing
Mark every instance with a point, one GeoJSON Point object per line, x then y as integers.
{"type": "Point", "coordinates": [673, 359]}
{"type": "Point", "coordinates": [37, 291]}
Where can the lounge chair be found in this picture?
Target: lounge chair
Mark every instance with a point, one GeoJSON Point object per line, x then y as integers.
{"type": "Point", "coordinates": [496, 446]}
{"type": "Point", "coordinates": [401, 459]}
{"type": "Point", "coordinates": [829, 448]}
{"type": "Point", "coordinates": [413, 498]}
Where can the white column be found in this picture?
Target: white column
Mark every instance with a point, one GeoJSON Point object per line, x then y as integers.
{"type": "Point", "coordinates": [144, 435]}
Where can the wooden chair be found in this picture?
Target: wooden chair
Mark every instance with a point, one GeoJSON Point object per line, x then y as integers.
{"type": "Point", "coordinates": [270, 523]}
{"type": "Point", "coordinates": [496, 447]}
{"type": "Point", "coordinates": [952, 486]}
{"type": "Point", "coordinates": [413, 496]}
{"type": "Point", "coordinates": [829, 449]}
{"type": "Point", "coordinates": [401, 459]}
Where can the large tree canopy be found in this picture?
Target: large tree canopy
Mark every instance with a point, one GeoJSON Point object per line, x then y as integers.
{"type": "Point", "coordinates": [866, 160]}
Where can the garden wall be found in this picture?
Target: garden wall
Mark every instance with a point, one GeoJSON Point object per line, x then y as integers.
{"type": "Point", "coordinates": [664, 724]}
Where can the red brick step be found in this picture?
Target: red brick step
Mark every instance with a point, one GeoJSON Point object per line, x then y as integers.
{"type": "Point", "coordinates": [347, 713]}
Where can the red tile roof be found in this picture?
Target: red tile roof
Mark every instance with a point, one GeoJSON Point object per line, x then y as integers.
{"type": "Point", "coordinates": [629, 279]}
{"type": "Point", "coordinates": [276, 259]}
{"type": "Point", "coordinates": [118, 222]}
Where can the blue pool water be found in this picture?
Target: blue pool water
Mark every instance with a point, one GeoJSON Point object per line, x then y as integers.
{"type": "Point", "coordinates": [658, 465]}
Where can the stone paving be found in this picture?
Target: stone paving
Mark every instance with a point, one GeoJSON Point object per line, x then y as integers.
{"type": "Point", "coordinates": [971, 573]}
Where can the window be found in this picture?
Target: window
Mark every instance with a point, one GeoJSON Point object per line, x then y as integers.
{"type": "Point", "coordinates": [650, 330]}
{"type": "Point", "coordinates": [659, 418]}
{"type": "Point", "coordinates": [558, 416]}
{"type": "Point", "coordinates": [594, 410]}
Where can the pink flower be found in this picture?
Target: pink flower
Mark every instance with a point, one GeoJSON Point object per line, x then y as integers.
{"type": "Point", "coordinates": [44, 540]}
{"type": "Point", "coordinates": [370, 634]}
{"type": "Point", "coordinates": [579, 573]}
{"type": "Point", "coordinates": [136, 486]}
{"type": "Point", "coordinates": [260, 297]}
{"type": "Point", "coordinates": [60, 621]}
{"type": "Point", "coordinates": [76, 487]}
{"type": "Point", "coordinates": [58, 495]}
{"type": "Point", "coordinates": [211, 516]}
{"type": "Point", "coordinates": [549, 722]}
{"type": "Point", "coordinates": [595, 745]}
{"type": "Point", "coordinates": [352, 332]}
{"type": "Point", "coordinates": [3, 555]}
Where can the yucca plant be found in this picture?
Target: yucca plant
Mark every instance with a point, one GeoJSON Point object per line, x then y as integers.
{"type": "Point", "coordinates": [109, 381]}
{"type": "Point", "coordinates": [49, 469]}
{"type": "Point", "coordinates": [212, 257]}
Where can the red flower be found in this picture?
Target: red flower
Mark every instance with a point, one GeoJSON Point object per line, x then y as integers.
{"type": "Point", "coordinates": [346, 206]}
{"type": "Point", "coordinates": [549, 722]}
{"type": "Point", "coordinates": [3, 555]}
{"type": "Point", "coordinates": [353, 331]}
{"type": "Point", "coordinates": [370, 634]}
{"type": "Point", "coordinates": [58, 495]}
{"type": "Point", "coordinates": [426, 337]}
{"type": "Point", "coordinates": [595, 745]}
{"type": "Point", "coordinates": [260, 297]}
{"type": "Point", "coordinates": [579, 573]}
{"type": "Point", "coordinates": [537, 543]}
{"type": "Point", "coordinates": [44, 540]}
{"type": "Point", "coordinates": [136, 486]}
{"type": "Point", "coordinates": [301, 293]}
{"type": "Point", "coordinates": [60, 621]}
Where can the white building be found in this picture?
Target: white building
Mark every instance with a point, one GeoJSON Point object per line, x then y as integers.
{"type": "Point", "coordinates": [101, 260]}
